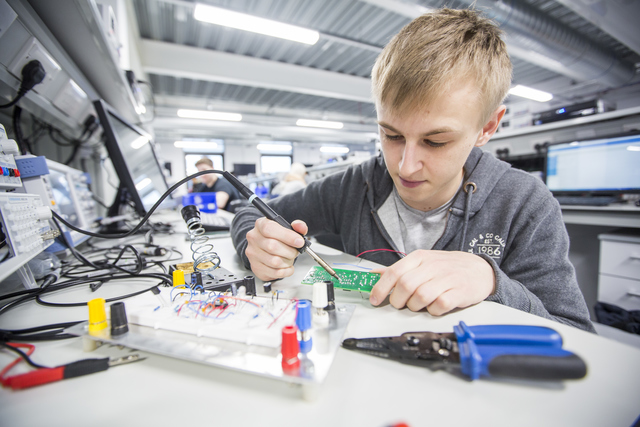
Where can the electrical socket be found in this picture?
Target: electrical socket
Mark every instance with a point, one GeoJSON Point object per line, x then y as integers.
{"type": "Point", "coordinates": [72, 100]}
{"type": "Point", "coordinates": [31, 50]}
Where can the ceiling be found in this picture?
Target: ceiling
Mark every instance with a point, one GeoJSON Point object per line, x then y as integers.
{"type": "Point", "coordinates": [575, 49]}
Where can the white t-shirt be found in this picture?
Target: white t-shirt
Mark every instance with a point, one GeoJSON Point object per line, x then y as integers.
{"type": "Point", "coordinates": [412, 229]}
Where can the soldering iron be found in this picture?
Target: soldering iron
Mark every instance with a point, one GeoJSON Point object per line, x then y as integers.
{"type": "Point", "coordinates": [272, 215]}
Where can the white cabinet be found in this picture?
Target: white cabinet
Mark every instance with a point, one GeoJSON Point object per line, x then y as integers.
{"type": "Point", "coordinates": [619, 272]}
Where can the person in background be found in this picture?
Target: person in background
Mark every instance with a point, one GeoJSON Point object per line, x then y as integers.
{"type": "Point", "coordinates": [213, 183]}
{"type": "Point", "coordinates": [293, 181]}
{"type": "Point", "coordinates": [453, 225]}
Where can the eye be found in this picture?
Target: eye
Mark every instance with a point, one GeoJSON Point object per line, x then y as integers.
{"type": "Point", "coordinates": [434, 144]}
{"type": "Point", "coordinates": [392, 137]}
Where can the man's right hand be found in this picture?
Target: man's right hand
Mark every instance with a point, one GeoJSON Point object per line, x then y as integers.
{"type": "Point", "coordinates": [272, 249]}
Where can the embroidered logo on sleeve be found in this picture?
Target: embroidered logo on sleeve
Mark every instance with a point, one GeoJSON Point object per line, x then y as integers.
{"type": "Point", "coordinates": [488, 244]}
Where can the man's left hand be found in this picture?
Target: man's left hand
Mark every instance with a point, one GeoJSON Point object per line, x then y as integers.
{"type": "Point", "coordinates": [438, 280]}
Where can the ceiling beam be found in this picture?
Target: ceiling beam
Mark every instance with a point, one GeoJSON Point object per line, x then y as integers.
{"type": "Point", "coordinates": [167, 105]}
{"type": "Point", "coordinates": [209, 65]}
{"type": "Point", "coordinates": [409, 10]}
{"type": "Point", "coordinates": [176, 127]}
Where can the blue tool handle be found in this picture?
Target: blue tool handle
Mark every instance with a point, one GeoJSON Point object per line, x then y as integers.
{"type": "Point", "coordinates": [508, 335]}
{"type": "Point", "coordinates": [539, 363]}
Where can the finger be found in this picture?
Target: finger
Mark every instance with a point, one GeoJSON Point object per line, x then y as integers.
{"type": "Point", "coordinates": [379, 270]}
{"type": "Point", "coordinates": [273, 230]}
{"type": "Point", "coordinates": [300, 227]}
{"type": "Point", "coordinates": [425, 294]}
{"type": "Point", "coordinates": [262, 247]}
{"type": "Point", "coordinates": [390, 277]}
{"type": "Point", "coordinates": [268, 274]}
{"type": "Point", "coordinates": [258, 256]}
{"type": "Point", "coordinates": [445, 302]}
{"type": "Point", "coordinates": [414, 286]}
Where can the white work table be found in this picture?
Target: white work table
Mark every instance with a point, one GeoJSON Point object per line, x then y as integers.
{"type": "Point", "coordinates": [360, 390]}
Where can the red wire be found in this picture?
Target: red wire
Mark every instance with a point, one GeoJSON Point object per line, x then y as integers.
{"type": "Point", "coordinates": [376, 250]}
{"type": "Point", "coordinates": [283, 311]}
{"type": "Point", "coordinates": [31, 348]}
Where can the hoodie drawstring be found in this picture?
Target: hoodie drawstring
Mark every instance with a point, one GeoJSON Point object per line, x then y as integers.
{"type": "Point", "coordinates": [467, 207]}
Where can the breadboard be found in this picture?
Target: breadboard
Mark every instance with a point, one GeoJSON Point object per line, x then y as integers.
{"type": "Point", "coordinates": [230, 343]}
{"type": "Point", "coordinates": [246, 319]}
{"type": "Point", "coordinates": [350, 280]}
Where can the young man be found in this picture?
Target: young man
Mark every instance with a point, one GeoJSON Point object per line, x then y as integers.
{"type": "Point", "coordinates": [473, 228]}
{"type": "Point", "coordinates": [212, 183]}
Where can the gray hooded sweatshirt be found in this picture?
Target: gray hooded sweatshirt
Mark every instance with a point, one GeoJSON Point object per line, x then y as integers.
{"type": "Point", "coordinates": [511, 220]}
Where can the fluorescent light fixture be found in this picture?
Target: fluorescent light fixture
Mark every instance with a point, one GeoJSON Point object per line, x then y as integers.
{"type": "Point", "coordinates": [241, 21]}
{"type": "Point", "coordinates": [142, 184]}
{"type": "Point", "coordinates": [633, 147]}
{"type": "Point", "coordinates": [74, 86]}
{"type": "Point", "coordinates": [204, 145]}
{"type": "Point", "coordinates": [530, 93]}
{"type": "Point", "coordinates": [139, 142]}
{"type": "Point", "coordinates": [209, 115]}
{"type": "Point", "coordinates": [334, 149]}
{"type": "Point", "coordinates": [319, 124]}
{"type": "Point", "coordinates": [280, 148]}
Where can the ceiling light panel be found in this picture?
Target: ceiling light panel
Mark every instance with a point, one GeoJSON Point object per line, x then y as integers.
{"type": "Point", "coordinates": [254, 24]}
{"type": "Point", "coordinates": [209, 115]}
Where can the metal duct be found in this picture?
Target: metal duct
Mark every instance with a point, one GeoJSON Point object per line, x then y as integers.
{"type": "Point", "coordinates": [542, 40]}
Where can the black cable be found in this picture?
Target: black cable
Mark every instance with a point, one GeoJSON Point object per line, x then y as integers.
{"type": "Point", "coordinates": [145, 218]}
{"type": "Point", "coordinates": [32, 73]}
{"type": "Point", "coordinates": [23, 144]}
{"type": "Point", "coordinates": [35, 293]}
{"type": "Point", "coordinates": [39, 333]}
{"type": "Point", "coordinates": [71, 247]}
{"type": "Point", "coordinates": [62, 325]}
{"type": "Point", "coordinates": [91, 124]}
{"type": "Point", "coordinates": [83, 304]}
{"type": "Point", "coordinates": [24, 356]}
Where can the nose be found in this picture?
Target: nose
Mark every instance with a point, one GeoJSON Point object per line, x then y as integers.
{"type": "Point", "coordinates": [411, 161]}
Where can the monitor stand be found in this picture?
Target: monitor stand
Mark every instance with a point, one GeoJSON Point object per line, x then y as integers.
{"type": "Point", "coordinates": [115, 213]}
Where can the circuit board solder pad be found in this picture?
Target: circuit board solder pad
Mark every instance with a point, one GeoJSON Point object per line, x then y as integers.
{"type": "Point", "coordinates": [350, 280]}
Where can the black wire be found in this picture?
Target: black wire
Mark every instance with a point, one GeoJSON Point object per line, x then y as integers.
{"type": "Point", "coordinates": [14, 101]}
{"type": "Point", "coordinates": [41, 328]}
{"type": "Point", "coordinates": [24, 356]}
{"type": "Point", "coordinates": [39, 333]}
{"type": "Point", "coordinates": [70, 246]}
{"type": "Point", "coordinates": [145, 218]}
{"type": "Point", "coordinates": [83, 304]}
{"type": "Point", "coordinates": [23, 144]}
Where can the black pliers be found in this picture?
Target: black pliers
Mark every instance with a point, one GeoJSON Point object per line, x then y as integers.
{"type": "Point", "coordinates": [532, 352]}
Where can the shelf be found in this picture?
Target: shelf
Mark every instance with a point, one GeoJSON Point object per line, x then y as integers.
{"type": "Point", "coordinates": [76, 26]}
{"type": "Point", "coordinates": [611, 115]}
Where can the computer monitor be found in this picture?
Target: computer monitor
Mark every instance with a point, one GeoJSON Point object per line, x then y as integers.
{"type": "Point", "coordinates": [73, 197]}
{"type": "Point", "coordinates": [134, 160]}
{"type": "Point", "coordinates": [241, 169]}
{"type": "Point", "coordinates": [598, 166]}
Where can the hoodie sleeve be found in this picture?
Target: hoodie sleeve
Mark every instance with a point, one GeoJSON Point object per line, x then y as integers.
{"type": "Point", "coordinates": [537, 276]}
{"type": "Point", "coordinates": [319, 205]}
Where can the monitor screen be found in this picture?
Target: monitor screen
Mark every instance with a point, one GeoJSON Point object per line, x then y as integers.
{"type": "Point", "coordinates": [605, 165]}
{"type": "Point", "coordinates": [133, 156]}
{"type": "Point", "coordinates": [63, 197]}
{"type": "Point", "coordinates": [241, 169]}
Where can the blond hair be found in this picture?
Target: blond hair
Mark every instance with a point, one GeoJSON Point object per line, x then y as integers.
{"type": "Point", "coordinates": [436, 50]}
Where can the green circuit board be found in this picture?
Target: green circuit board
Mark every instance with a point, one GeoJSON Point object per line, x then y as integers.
{"type": "Point", "coordinates": [350, 280]}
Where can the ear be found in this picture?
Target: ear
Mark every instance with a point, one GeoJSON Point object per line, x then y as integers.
{"type": "Point", "coordinates": [491, 127]}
